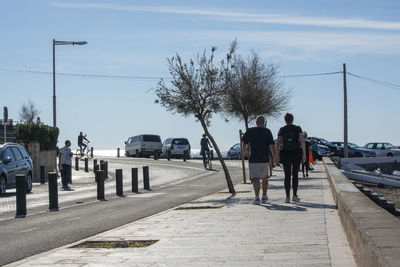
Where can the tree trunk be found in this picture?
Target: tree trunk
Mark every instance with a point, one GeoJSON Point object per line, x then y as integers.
{"type": "Point", "coordinates": [246, 122]}
{"type": "Point", "coordinates": [227, 175]}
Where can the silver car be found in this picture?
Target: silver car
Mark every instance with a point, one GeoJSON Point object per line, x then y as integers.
{"type": "Point", "coordinates": [383, 149]}
{"type": "Point", "coordinates": [177, 147]}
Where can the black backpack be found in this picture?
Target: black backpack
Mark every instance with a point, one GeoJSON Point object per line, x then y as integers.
{"type": "Point", "coordinates": [290, 140]}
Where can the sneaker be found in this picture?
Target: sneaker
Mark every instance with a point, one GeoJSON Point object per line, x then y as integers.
{"type": "Point", "coordinates": [256, 201]}
{"type": "Point", "coordinates": [296, 198]}
{"type": "Point", "coordinates": [264, 199]}
{"type": "Point", "coordinates": [306, 174]}
{"type": "Point", "coordinates": [287, 200]}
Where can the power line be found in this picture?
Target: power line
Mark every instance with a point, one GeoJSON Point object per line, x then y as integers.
{"type": "Point", "coordinates": [390, 85]}
{"type": "Point", "coordinates": [308, 75]}
{"type": "Point", "coordinates": [88, 75]}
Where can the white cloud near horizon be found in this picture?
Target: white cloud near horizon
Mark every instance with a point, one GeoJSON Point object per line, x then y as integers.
{"type": "Point", "coordinates": [265, 18]}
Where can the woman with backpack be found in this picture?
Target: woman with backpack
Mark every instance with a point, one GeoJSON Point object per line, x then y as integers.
{"type": "Point", "coordinates": [292, 153]}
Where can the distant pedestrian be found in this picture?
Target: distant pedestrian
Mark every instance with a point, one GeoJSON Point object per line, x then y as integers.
{"type": "Point", "coordinates": [305, 166]}
{"type": "Point", "coordinates": [81, 144]}
{"type": "Point", "coordinates": [291, 155]}
{"type": "Point", "coordinates": [261, 142]}
{"type": "Point", "coordinates": [65, 162]}
{"type": "Point", "coordinates": [314, 149]}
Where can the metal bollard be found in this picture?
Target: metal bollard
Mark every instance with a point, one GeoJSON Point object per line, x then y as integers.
{"type": "Point", "coordinates": [185, 155]}
{"type": "Point", "coordinates": [103, 167]}
{"type": "Point", "coordinates": [21, 196]}
{"type": "Point", "coordinates": [86, 165]}
{"type": "Point", "coordinates": [100, 185]}
{"type": "Point", "coordinates": [106, 171]}
{"type": "Point", "coordinates": [118, 152]}
{"type": "Point", "coordinates": [76, 164]}
{"type": "Point", "coordinates": [146, 179]}
{"type": "Point", "coordinates": [94, 164]}
{"type": "Point", "coordinates": [168, 154]}
{"type": "Point", "coordinates": [119, 182]}
{"type": "Point", "coordinates": [96, 168]}
{"type": "Point", "coordinates": [91, 152]}
{"type": "Point", "coordinates": [53, 191]}
{"type": "Point", "coordinates": [135, 187]}
{"type": "Point", "coordinates": [42, 175]}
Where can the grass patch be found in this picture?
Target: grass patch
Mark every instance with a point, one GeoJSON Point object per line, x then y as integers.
{"type": "Point", "coordinates": [116, 244]}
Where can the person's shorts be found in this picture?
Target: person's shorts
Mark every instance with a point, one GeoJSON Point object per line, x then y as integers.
{"type": "Point", "coordinates": [259, 170]}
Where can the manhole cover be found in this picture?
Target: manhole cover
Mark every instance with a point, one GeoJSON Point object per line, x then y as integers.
{"type": "Point", "coordinates": [116, 244]}
{"type": "Point", "coordinates": [199, 207]}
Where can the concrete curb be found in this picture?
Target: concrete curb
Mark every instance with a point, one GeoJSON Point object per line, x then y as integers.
{"type": "Point", "coordinates": [373, 233]}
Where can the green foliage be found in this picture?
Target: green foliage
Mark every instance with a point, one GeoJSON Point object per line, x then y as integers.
{"type": "Point", "coordinates": [46, 135]}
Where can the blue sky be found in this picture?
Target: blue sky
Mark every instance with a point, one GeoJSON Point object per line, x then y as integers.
{"type": "Point", "coordinates": [134, 38]}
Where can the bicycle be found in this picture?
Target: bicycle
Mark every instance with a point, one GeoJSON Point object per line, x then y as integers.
{"type": "Point", "coordinates": [207, 160]}
{"type": "Point", "coordinates": [85, 152]}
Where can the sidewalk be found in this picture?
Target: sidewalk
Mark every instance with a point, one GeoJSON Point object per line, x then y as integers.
{"type": "Point", "coordinates": [237, 233]}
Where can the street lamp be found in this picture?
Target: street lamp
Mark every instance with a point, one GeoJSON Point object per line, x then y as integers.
{"type": "Point", "coordinates": [54, 70]}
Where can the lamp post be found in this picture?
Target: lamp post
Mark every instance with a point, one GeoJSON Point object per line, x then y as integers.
{"type": "Point", "coordinates": [54, 71]}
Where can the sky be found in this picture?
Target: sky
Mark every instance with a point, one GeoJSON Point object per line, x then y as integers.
{"type": "Point", "coordinates": [135, 38]}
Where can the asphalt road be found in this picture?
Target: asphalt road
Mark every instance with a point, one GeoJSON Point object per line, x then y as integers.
{"type": "Point", "coordinates": [21, 238]}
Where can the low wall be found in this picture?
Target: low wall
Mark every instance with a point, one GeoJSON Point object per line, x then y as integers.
{"type": "Point", "coordinates": [45, 158]}
{"type": "Point", "coordinates": [373, 233]}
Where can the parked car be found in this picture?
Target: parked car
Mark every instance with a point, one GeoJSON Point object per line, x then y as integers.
{"type": "Point", "coordinates": [143, 145]}
{"type": "Point", "coordinates": [353, 150]}
{"type": "Point", "coordinates": [382, 149]}
{"type": "Point", "coordinates": [14, 159]}
{"type": "Point", "coordinates": [320, 141]}
{"type": "Point", "coordinates": [177, 146]}
{"type": "Point", "coordinates": [234, 152]}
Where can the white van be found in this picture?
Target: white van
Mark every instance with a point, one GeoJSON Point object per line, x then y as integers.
{"type": "Point", "coordinates": [143, 145]}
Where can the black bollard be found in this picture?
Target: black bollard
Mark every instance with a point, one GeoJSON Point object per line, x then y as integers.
{"type": "Point", "coordinates": [91, 152]}
{"type": "Point", "coordinates": [168, 154]}
{"type": "Point", "coordinates": [135, 187]}
{"type": "Point", "coordinates": [42, 175]}
{"type": "Point", "coordinates": [155, 155]}
{"type": "Point", "coordinates": [76, 164]}
{"type": "Point", "coordinates": [118, 152]}
{"type": "Point", "coordinates": [146, 179]}
{"type": "Point", "coordinates": [100, 185]}
{"type": "Point", "coordinates": [185, 155]}
{"type": "Point", "coordinates": [94, 164]}
{"type": "Point", "coordinates": [53, 191]}
{"type": "Point", "coordinates": [86, 165]}
{"type": "Point", "coordinates": [96, 168]}
{"type": "Point", "coordinates": [21, 196]}
{"type": "Point", "coordinates": [119, 182]}
{"type": "Point", "coordinates": [106, 171]}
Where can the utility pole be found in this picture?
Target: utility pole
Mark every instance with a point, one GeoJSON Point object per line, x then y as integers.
{"type": "Point", "coordinates": [345, 134]}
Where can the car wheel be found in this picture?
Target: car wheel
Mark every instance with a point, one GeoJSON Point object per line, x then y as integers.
{"type": "Point", "coordinates": [390, 155]}
{"type": "Point", "coordinates": [29, 183]}
{"type": "Point", "coordinates": [3, 185]}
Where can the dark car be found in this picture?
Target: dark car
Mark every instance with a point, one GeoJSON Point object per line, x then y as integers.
{"type": "Point", "coordinates": [14, 159]}
{"type": "Point", "coordinates": [353, 150]}
{"type": "Point", "coordinates": [321, 141]}
{"type": "Point", "coordinates": [234, 152]}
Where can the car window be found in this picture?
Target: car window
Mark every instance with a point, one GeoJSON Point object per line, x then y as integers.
{"type": "Point", "coordinates": [24, 153]}
{"type": "Point", "coordinates": [8, 153]}
{"type": "Point", "coordinates": [180, 141]}
{"type": "Point", "coordinates": [1, 153]}
{"type": "Point", "coordinates": [370, 145]}
{"type": "Point", "coordinates": [151, 138]}
{"type": "Point", "coordinates": [379, 146]}
{"type": "Point", "coordinates": [236, 146]}
{"type": "Point", "coordinates": [388, 146]}
{"type": "Point", "coordinates": [17, 153]}
{"type": "Point", "coordinates": [352, 145]}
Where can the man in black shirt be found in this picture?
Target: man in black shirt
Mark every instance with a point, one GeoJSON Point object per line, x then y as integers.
{"type": "Point", "coordinates": [260, 139]}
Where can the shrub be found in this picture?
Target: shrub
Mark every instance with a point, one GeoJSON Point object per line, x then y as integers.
{"type": "Point", "coordinates": [47, 136]}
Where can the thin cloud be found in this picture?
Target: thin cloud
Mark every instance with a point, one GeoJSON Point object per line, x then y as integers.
{"type": "Point", "coordinates": [265, 18]}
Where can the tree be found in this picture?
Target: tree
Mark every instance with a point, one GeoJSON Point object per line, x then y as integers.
{"type": "Point", "coordinates": [197, 89]}
{"type": "Point", "coordinates": [254, 90]}
{"type": "Point", "coordinates": [28, 112]}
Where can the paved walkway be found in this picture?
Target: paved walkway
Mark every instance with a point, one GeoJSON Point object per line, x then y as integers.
{"type": "Point", "coordinates": [239, 233]}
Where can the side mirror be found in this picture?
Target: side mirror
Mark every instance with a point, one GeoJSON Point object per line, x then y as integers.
{"type": "Point", "coordinates": [125, 142]}
{"type": "Point", "coordinates": [7, 160]}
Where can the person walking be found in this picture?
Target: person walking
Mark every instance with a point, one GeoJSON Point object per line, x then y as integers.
{"type": "Point", "coordinates": [292, 153]}
{"type": "Point", "coordinates": [65, 155]}
{"type": "Point", "coordinates": [306, 165]}
{"type": "Point", "coordinates": [261, 141]}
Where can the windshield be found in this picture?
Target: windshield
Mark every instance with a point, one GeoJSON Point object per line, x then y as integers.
{"type": "Point", "coordinates": [352, 145]}
{"type": "Point", "coordinates": [325, 142]}
{"type": "Point", "coordinates": [180, 141]}
{"type": "Point", "coordinates": [151, 138]}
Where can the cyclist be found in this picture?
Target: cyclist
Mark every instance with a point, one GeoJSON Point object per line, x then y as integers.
{"type": "Point", "coordinates": [81, 144]}
{"type": "Point", "coordinates": [204, 143]}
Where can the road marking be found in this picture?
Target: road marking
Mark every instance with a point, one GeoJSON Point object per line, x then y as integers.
{"type": "Point", "coordinates": [29, 230]}
{"type": "Point", "coordinates": [147, 195]}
